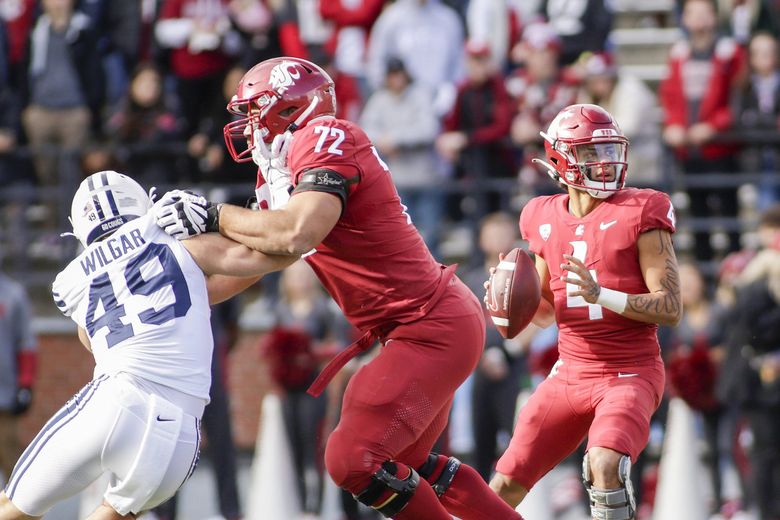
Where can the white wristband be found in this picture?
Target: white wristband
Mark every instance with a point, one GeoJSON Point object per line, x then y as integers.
{"type": "Point", "coordinates": [613, 300]}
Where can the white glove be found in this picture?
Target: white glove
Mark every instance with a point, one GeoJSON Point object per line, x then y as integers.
{"type": "Point", "coordinates": [273, 167]}
{"type": "Point", "coordinates": [181, 214]}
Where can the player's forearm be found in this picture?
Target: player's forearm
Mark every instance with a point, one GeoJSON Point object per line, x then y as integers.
{"type": "Point", "coordinates": [221, 288]}
{"type": "Point", "coordinates": [662, 307]}
{"type": "Point", "coordinates": [274, 232]}
{"type": "Point", "coordinates": [545, 314]}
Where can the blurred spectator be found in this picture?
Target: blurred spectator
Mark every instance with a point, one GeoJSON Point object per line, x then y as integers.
{"type": "Point", "coordinates": [148, 48]}
{"type": "Point", "coordinates": [12, 168]}
{"type": "Point", "coordinates": [65, 85]}
{"type": "Point", "coordinates": [254, 21]}
{"type": "Point", "coordinates": [540, 90]}
{"type": "Point", "coordinates": [352, 20]}
{"type": "Point", "coordinates": [399, 120]}
{"type": "Point", "coordinates": [474, 132]}
{"type": "Point", "coordinates": [207, 146]}
{"type": "Point", "coordinates": [495, 23]}
{"type": "Point", "coordinates": [17, 368]}
{"type": "Point", "coordinates": [17, 17]}
{"type": "Point", "coordinates": [634, 105]}
{"type": "Point", "coordinates": [305, 329]}
{"type": "Point", "coordinates": [754, 364]}
{"type": "Point", "coordinates": [428, 37]}
{"type": "Point", "coordinates": [758, 112]}
{"type": "Point", "coordinates": [118, 25]}
{"type": "Point", "coordinates": [693, 365]}
{"type": "Point", "coordinates": [582, 26]}
{"type": "Point", "coordinates": [143, 126]}
{"type": "Point", "coordinates": [349, 97]}
{"type": "Point", "coordinates": [739, 17]}
{"type": "Point", "coordinates": [695, 97]}
{"type": "Point", "coordinates": [219, 447]}
{"type": "Point", "coordinates": [500, 373]}
{"type": "Point", "coordinates": [302, 31]}
{"type": "Point", "coordinates": [201, 41]}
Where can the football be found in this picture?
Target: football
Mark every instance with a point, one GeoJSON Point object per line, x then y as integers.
{"type": "Point", "coordinates": [514, 293]}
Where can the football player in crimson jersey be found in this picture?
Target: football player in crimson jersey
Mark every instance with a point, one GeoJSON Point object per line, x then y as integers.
{"type": "Point", "coordinates": [609, 276]}
{"type": "Point", "coordinates": [345, 217]}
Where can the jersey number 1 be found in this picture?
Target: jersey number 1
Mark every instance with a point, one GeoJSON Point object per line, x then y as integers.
{"type": "Point", "coordinates": [101, 290]}
{"type": "Point", "coordinates": [594, 309]}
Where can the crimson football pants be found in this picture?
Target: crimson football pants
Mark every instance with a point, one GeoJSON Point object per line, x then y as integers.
{"type": "Point", "coordinates": [397, 406]}
{"type": "Point", "coordinates": [612, 406]}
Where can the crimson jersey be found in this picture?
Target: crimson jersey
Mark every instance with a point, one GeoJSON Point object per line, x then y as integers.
{"type": "Point", "coordinates": [605, 240]}
{"type": "Point", "coordinates": [374, 263]}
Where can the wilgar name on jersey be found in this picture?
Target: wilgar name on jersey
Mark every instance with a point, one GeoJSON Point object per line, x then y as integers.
{"type": "Point", "coordinates": [112, 249]}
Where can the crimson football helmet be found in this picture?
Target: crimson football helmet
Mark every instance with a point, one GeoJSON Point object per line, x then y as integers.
{"type": "Point", "coordinates": [275, 96]}
{"type": "Point", "coordinates": [586, 150]}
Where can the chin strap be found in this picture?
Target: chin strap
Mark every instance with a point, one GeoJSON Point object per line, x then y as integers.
{"type": "Point", "coordinates": [301, 118]}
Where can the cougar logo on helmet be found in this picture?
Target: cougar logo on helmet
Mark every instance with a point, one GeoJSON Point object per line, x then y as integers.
{"type": "Point", "coordinates": [284, 75]}
{"type": "Point", "coordinates": [275, 96]}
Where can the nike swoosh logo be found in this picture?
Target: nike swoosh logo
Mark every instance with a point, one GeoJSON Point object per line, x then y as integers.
{"type": "Point", "coordinates": [621, 374]}
{"type": "Point", "coordinates": [164, 420]}
{"type": "Point", "coordinates": [604, 226]}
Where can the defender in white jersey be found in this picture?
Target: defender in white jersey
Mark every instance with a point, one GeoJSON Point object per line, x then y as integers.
{"type": "Point", "coordinates": [141, 303]}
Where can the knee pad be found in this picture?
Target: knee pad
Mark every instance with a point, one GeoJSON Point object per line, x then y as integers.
{"type": "Point", "coordinates": [384, 481]}
{"type": "Point", "coordinates": [611, 504]}
{"type": "Point", "coordinates": [441, 483]}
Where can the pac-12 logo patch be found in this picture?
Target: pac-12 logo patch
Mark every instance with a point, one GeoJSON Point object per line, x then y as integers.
{"type": "Point", "coordinates": [544, 231]}
{"type": "Point", "coordinates": [284, 75]}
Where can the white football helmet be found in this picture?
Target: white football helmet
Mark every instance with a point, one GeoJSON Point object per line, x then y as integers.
{"type": "Point", "coordinates": [104, 201]}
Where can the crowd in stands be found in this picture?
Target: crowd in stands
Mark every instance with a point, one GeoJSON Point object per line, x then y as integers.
{"type": "Point", "coordinates": [453, 93]}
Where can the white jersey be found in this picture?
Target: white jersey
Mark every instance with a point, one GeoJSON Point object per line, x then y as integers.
{"type": "Point", "coordinates": [143, 302]}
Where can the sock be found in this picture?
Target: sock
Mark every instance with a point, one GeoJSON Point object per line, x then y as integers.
{"type": "Point", "coordinates": [425, 504]}
{"type": "Point", "coordinates": [470, 497]}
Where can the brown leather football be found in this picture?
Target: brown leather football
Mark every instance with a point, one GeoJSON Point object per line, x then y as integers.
{"type": "Point", "coordinates": [514, 293]}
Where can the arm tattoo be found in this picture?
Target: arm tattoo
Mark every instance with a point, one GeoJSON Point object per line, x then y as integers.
{"type": "Point", "coordinates": [667, 303]}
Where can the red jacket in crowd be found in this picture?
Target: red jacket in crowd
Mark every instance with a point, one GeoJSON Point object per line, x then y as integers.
{"type": "Point", "coordinates": [727, 65]}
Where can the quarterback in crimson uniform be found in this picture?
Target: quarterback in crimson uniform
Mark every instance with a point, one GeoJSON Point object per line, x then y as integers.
{"type": "Point", "coordinates": [609, 276]}
{"type": "Point", "coordinates": [345, 217]}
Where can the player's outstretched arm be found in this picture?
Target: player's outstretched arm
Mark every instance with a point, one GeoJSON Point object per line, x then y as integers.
{"type": "Point", "coordinates": [231, 267]}
{"type": "Point", "coordinates": [658, 263]}
{"type": "Point", "coordinates": [293, 230]}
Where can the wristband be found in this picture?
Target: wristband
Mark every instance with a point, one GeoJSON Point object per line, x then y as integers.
{"type": "Point", "coordinates": [613, 300]}
{"type": "Point", "coordinates": [212, 217]}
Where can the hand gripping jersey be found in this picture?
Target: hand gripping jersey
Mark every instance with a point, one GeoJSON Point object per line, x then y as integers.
{"type": "Point", "coordinates": [142, 300]}
{"type": "Point", "coordinates": [605, 240]}
{"type": "Point", "coordinates": [374, 263]}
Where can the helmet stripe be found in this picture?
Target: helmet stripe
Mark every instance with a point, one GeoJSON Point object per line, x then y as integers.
{"type": "Point", "coordinates": [95, 201]}
{"type": "Point", "coordinates": [112, 202]}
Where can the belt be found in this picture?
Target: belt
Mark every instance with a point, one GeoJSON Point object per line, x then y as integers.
{"type": "Point", "coordinates": [368, 339]}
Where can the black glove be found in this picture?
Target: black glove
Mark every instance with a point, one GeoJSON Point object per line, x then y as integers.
{"type": "Point", "coordinates": [23, 400]}
{"type": "Point", "coordinates": [212, 217]}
